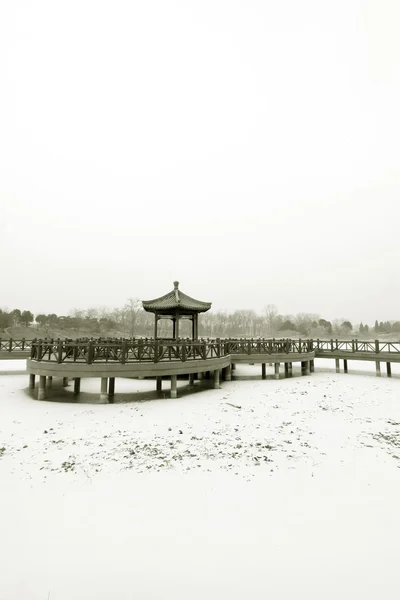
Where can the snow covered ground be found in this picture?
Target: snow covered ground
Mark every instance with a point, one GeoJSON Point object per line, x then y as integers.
{"type": "Point", "coordinates": [262, 489]}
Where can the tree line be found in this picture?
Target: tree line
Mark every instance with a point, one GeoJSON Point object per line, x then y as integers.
{"type": "Point", "coordinates": [131, 320]}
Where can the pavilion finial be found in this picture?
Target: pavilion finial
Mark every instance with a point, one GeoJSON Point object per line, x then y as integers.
{"type": "Point", "coordinates": [176, 285]}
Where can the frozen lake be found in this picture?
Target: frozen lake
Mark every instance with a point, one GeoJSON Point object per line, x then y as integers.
{"type": "Point", "coordinates": [262, 489]}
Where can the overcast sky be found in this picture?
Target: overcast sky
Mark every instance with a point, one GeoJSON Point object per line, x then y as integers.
{"type": "Point", "coordinates": [249, 149]}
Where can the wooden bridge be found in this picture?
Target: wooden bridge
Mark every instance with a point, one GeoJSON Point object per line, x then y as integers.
{"type": "Point", "coordinates": [157, 358]}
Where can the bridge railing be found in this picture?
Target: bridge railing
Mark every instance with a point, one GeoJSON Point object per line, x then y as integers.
{"type": "Point", "coordinates": [149, 350]}
{"type": "Point", "coordinates": [352, 346]}
{"type": "Point", "coordinates": [11, 345]}
{"type": "Point", "coordinates": [126, 351]}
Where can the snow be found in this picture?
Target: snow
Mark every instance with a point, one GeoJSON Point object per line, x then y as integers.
{"type": "Point", "coordinates": [262, 489]}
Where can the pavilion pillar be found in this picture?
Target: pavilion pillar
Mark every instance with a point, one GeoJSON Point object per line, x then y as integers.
{"type": "Point", "coordinates": [159, 384]}
{"type": "Point", "coordinates": [77, 385]}
{"type": "Point", "coordinates": [103, 389]}
{"type": "Point", "coordinates": [176, 336]}
{"type": "Point", "coordinates": [196, 326]}
{"type": "Point", "coordinates": [263, 371]}
{"type": "Point", "coordinates": [388, 369]}
{"type": "Point", "coordinates": [31, 381]}
{"type": "Point", "coordinates": [174, 393]}
{"type": "Point", "coordinates": [155, 325]}
{"type": "Point", "coordinates": [193, 328]}
{"type": "Point", "coordinates": [42, 388]}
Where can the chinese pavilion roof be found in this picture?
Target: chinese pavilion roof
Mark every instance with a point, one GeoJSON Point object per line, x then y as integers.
{"type": "Point", "coordinates": [176, 301]}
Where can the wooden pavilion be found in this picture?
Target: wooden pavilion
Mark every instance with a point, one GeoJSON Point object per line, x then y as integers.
{"type": "Point", "coordinates": [176, 306]}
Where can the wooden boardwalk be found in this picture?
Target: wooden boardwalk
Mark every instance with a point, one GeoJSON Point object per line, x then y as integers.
{"type": "Point", "coordinates": [110, 358]}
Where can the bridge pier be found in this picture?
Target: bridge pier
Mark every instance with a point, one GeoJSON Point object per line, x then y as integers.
{"type": "Point", "coordinates": [111, 386]}
{"type": "Point", "coordinates": [191, 379]}
{"type": "Point", "coordinates": [286, 369]}
{"type": "Point", "coordinates": [345, 365]}
{"type": "Point", "coordinates": [103, 389]}
{"type": "Point", "coordinates": [159, 384]}
{"type": "Point", "coordinates": [227, 372]}
{"type": "Point", "coordinates": [233, 366]}
{"type": "Point", "coordinates": [42, 388]}
{"type": "Point", "coordinates": [200, 376]}
{"type": "Point", "coordinates": [276, 370]}
{"type": "Point", "coordinates": [378, 368]}
{"type": "Point", "coordinates": [263, 371]}
{"type": "Point", "coordinates": [290, 369]}
{"type": "Point", "coordinates": [337, 365]}
{"type": "Point", "coordinates": [65, 381]}
{"type": "Point", "coordinates": [49, 383]}
{"type": "Point", "coordinates": [388, 369]}
{"type": "Point", "coordinates": [77, 385]}
{"type": "Point", "coordinates": [31, 381]}
{"type": "Point", "coordinates": [312, 368]}
{"type": "Point", "coordinates": [174, 392]}
{"type": "Point", "coordinates": [305, 367]}
{"type": "Point", "coordinates": [217, 383]}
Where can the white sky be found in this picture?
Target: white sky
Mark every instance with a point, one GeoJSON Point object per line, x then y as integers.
{"type": "Point", "coordinates": [249, 149]}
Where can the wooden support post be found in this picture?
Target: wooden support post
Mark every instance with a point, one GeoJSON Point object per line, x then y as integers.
{"type": "Point", "coordinates": [174, 392]}
{"type": "Point", "coordinates": [276, 368]}
{"type": "Point", "coordinates": [49, 383]}
{"type": "Point", "coordinates": [159, 384]}
{"type": "Point", "coordinates": [103, 389]}
{"type": "Point", "coordinates": [263, 371]}
{"type": "Point", "coordinates": [388, 369]}
{"type": "Point", "coordinates": [42, 387]}
{"type": "Point", "coordinates": [77, 385]}
{"type": "Point", "coordinates": [217, 383]}
{"type": "Point", "coordinates": [337, 365]}
{"type": "Point", "coordinates": [345, 365]}
{"type": "Point", "coordinates": [227, 373]}
{"type": "Point", "coordinates": [65, 381]}
{"type": "Point", "coordinates": [378, 368]}
{"type": "Point", "coordinates": [312, 368]}
{"type": "Point", "coordinates": [286, 369]}
{"type": "Point", "coordinates": [31, 381]}
{"type": "Point", "coordinates": [111, 386]}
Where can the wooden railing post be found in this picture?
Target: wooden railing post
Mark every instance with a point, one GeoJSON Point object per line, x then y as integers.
{"type": "Point", "coordinates": [377, 346]}
{"type": "Point", "coordinates": [123, 352]}
{"type": "Point", "coordinates": [39, 351]}
{"type": "Point", "coordinates": [331, 345]}
{"type": "Point", "coordinates": [10, 345]}
{"type": "Point", "coordinates": [59, 352]}
{"type": "Point", "coordinates": [23, 344]}
{"type": "Point", "coordinates": [90, 352]}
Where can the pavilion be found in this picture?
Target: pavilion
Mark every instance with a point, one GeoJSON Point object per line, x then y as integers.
{"type": "Point", "coordinates": [176, 306]}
